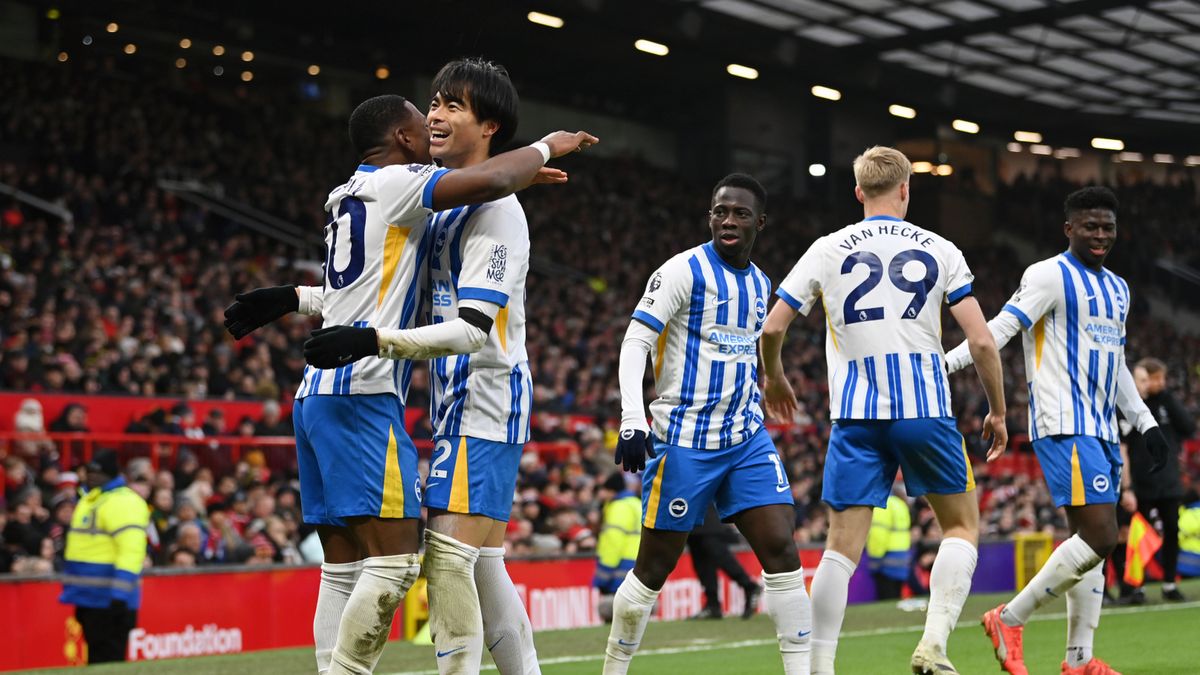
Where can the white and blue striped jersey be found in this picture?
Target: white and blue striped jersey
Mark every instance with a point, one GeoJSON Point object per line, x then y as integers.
{"type": "Point", "coordinates": [482, 253]}
{"type": "Point", "coordinates": [374, 269]}
{"type": "Point", "coordinates": [1074, 338]}
{"type": "Point", "coordinates": [882, 282]}
{"type": "Point", "coordinates": [709, 316]}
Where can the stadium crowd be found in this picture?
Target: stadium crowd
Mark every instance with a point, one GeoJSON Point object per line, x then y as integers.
{"type": "Point", "coordinates": [126, 298]}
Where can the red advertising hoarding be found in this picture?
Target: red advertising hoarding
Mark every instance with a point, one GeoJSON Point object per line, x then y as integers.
{"type": "Point", "coordinates": [228, 612]}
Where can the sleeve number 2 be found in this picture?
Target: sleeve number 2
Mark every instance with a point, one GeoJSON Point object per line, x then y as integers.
{"type": "Point", "coordinates": [919, 288]}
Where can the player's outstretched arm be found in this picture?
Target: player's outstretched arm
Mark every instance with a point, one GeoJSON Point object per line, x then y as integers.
{"type": "Point", "coordinates": [254, 309]}
{"type": "Point", "coordinates": [335, 346]}
{"type": "Point", "coordinates": [778, 398]}
{"type": "Point", "coordinates": [633, 443]}
{"type": "Point", "coordinates": [509, 172]}
{"type": "Point", "coordinates": [1130, 402]}
{"type": "Point", "coordinates": [986, 357]}
{"type": "Point", "coordinates": [1003, 327]}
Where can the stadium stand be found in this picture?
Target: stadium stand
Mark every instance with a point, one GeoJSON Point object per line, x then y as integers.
{"type": "Point", "coordinates": [124, 298]}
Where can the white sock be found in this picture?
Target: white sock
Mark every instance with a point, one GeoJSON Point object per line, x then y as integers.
{"type": "Point", "coordinates": [830, 588]}
{"type": "Point", "coordinates": [367, 619]}
{"type": "Point", "coordinates": [1084, 600]}
{"type": "Point", "coordinates": [455, 620]}
{"type": "Point", "coordinates": [507, 633]}
{"type": "Point", "coordinates": [949, 585]}
{"type": "Point", "coordinates": [788, 604]}
{"type": "Point", "coordinates": [1063, 570]}
{"type": "Point", "coordinates": [337, 583]}
{"type": "Point", "coordinates": [631, 611]}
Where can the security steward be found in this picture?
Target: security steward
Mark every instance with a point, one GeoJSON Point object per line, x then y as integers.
{"type": "Point", "coordinates": [888, 547]}
{"type": "Point", "coordinates": [620, 536]}
{"type": "Point", "coordinates": [106, 547]}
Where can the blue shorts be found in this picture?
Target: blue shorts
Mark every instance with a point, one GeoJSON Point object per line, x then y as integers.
{"type": "Point", "coordinates": [863, 456]}
{"type": "Point", "coordinates": [473, 475]}
{"type": "Point", "coordinates": [680, 483]}
{"type": "Point", "coordinates": [1080, 470]}
{"type": "Point", "coordinates": [355, 459]}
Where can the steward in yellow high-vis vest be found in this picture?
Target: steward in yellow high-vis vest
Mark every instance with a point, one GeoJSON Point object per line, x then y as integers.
{"type": "Point", "coordinates": [1189, 539]}
{"type": "Point", "coordinates": [620, 535]}
{"type": "Point", "coordinates": [106, 547]}
{"type": "Point", "coordinates": [888, 547]}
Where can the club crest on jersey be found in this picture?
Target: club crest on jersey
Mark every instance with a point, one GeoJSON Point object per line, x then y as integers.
{"type": "Point", "coordinates": [439, 242]}
{"type": "Point", "coordinates": [417, 487]}
{"type": "Point", "coordinates": [760, 313]}
{"type": "Point", "coordinates": [1100, 483]}
{"type": "Point", "coordinates": [678, 507]}
{"type": "Point", "coordinates": [655, 282]}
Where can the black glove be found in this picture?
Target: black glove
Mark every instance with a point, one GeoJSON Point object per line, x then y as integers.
{"type": "Point", "coordinates": [1157, 447]}
{"type": "Point", "coordinates": [633, 446]}
{"type": "Point", "coordinates": [258, 308]}
{"type": "Point", "coordinates": [336, 346]}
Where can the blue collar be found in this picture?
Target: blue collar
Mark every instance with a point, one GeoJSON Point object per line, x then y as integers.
{"type": "Point", "coordinates": [716, 257]}
{"type": "Point", "coordinates": [1080, 266]}
{"type": "Point", "coordinates": [113, 484]}
{"type": "Point", "coordinates": [882, 217]}
{"type": "Point", "coordinates": [623, 494]}
{"type": "Point", "coordinates": [366, 168]}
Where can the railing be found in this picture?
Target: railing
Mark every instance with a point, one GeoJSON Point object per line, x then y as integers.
{"type": "Point", "coordinates": [219, 453]}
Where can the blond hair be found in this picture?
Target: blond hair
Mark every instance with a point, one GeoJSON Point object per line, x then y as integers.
{"type": "Point", "coordinates": [880, 169]}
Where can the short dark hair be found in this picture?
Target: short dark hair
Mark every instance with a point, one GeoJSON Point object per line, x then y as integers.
{"type": "Point", "coordinates": [374, 118]}
{"type": "Point", "coordinates": [489, 91]}
{"type": "Point", "coordinates": [1091, 197]}
{"type": "Point", "coordinates": [1152, 365]}
{"type": "Point", "coordinates": [746, 182]}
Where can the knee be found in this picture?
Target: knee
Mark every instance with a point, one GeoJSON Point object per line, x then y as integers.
{"type": "Point", "coordinates": [653, 573]}
{"type": "Point", "coordinates": [780, 556]}
{"type": "Point", "coordinates": [1102, 539]}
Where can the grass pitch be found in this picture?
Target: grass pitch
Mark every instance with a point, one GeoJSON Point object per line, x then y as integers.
{"type": "Point", "coordinates": [1157, 638]}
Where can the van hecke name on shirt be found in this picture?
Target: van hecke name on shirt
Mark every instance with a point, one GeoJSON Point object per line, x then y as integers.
{"type": "Point", "coordinates": [895, 229]}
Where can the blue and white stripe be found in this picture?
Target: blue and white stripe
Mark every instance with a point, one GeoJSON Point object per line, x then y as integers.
{"type": "Point", "coordinates": [910, 386]}
{"type": "Point", "coordinates": [708, 391]}
{"type": "Point", "coordinates": [1073, 386]}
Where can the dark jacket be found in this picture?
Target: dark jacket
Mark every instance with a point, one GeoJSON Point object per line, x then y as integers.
{"type": "Point", "coordinates": [1177, 425]}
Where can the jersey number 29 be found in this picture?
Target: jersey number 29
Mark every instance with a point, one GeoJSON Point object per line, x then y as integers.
{"type": "Point", "coordinates": [919, 288]}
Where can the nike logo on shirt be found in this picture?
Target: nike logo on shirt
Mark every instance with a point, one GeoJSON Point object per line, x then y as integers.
{"type": "Point", "coordinates": [781, 488]}
{"type": "Point", "coordinates": [717, 302]}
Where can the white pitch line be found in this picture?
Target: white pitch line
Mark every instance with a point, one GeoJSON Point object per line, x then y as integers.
{"type": "Point", "coordinates": [718, 646]}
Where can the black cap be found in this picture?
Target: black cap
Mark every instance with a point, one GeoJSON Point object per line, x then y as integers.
{"type": "Point", "coordinates": [615, 482]}
{"type": "Point", "coordinates": [105, 461]}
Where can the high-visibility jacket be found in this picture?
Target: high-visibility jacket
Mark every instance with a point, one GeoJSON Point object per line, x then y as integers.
{"type": "Point", "coordinates": [1189, 540]}
{"type": "Point", "coordinates": [889, 542]}
{"type": "Point", "coordinates": [620, 535]}
{"type": "Point", "coordinates": [106, 547]}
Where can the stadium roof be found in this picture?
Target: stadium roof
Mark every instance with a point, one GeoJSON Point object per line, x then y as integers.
{"type": "Point", "coordinates": [1109, 57]}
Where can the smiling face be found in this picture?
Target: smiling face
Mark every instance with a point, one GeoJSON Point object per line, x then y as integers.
{"type": "Point", "coordinates": [456, 136]}
{"type": "Point", "coordinates": [735, 220]}
{"type": "Point", "coordinates": [1092, 233]}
